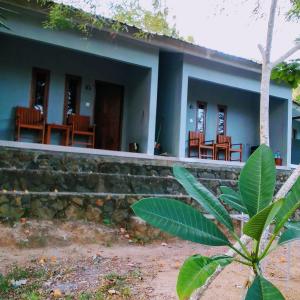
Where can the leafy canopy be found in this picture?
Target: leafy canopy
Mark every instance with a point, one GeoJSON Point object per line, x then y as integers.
{"type": "Point", "coordinates": [123, 13]}
{"type": "Point", "coordinates": [287, 72]}
{"type": "Point", "coordinates": [254, 197]}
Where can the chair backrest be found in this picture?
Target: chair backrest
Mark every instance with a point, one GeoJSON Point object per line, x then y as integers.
{"type": "Point", "coordinates": [223, 139]}
{"type": "Point", "coordinates": [29, 115]}
{"type": "Point", "coordinates": [196, 138]}
{"type": "Point", "coordinates": [80, 123]}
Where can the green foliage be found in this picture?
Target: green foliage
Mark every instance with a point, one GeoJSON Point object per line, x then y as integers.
{"type": "Point", "coordinates": [233, 199]}
{"type": "Point", "coordinates": [203, 196]}
{"type": "Point", "coordinates": [258, 223]}
{"type": "Point", "coordinates": [148, 21]}
{"type": "Point", "coordinates": [255, 195]}
{"type": "Point", "coordinates": [294, 13]}
{"type": "Point", "coordinates": [257, 180]}
{"type": "Point", "coordinates": [291, 234]}
{"type": "Point", "coordinates": [289, 206]}
{"type": "Point", "coordinates": [122, 14]}
{"type": "Point", "coordinates": [287, 72]}
{"type": "Point", "coordinates": [195, 272]}
{"type": "Point", "coordinates": [177, 218]}
{"type": "Point", "coordinates": [262, 289]}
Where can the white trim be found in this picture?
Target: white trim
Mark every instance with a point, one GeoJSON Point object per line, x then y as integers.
{"type": "Point", "coordinates": [111, 153]}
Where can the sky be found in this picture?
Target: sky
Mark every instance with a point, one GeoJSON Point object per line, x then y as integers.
{"type": "Point", "coordinates": [228, 26]}
{"type": "Point", "coordinates": [233, 30]}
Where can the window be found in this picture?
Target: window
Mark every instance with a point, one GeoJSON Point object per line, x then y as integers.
{"type": "Point", "coordinates": [221, 120]}
{"type": "Point", "coordinates": [201, 117]}
{"type": "Point", "coordinates": [40, 89]}
{"type": "Point", "coordinates": [72, 95]}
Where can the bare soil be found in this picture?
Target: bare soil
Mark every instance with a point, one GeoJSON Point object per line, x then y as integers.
{"type": "Point", "coordinates": [148, 271]}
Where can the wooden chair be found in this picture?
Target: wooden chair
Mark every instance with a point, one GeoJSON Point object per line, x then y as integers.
{"type": "Point", "coordinates": [235, 148]}
{"type": "Point", "coordinates": [197, 141]}
{"type": "Point", "coordinates": [224, 145]}
{"type": "Point", "coordinates": [30, 119]}
{"type": "Point", "coordinates": [80, 127]}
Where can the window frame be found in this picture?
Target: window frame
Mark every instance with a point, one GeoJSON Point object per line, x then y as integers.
{"type": "Point", "coordinates": [77, 104]}
{"type": "Point", "coordinates": [224, 107]}
{"type": "Point", "coordinates": [205, 113]}
{"type": "Point", "coordinates": [35, 71]}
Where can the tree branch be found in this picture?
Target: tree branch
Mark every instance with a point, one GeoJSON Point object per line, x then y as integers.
{"type": "Point", "coordinates": [286, 55]}
{"type": "Point", "coordinates": [270, 31]}
{"type": "Point", "coordinates": [262, 51]}
{"type": "Point", "coordinates": [288, 184]}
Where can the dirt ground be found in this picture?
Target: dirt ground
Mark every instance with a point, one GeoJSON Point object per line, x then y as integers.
{"type": "Point", "coordinates": [125, 270]}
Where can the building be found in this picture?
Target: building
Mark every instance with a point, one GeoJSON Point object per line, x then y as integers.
{"type": "Point", "coordinates": [135, 91]}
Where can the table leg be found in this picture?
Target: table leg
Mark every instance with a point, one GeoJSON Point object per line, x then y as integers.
{"type": "Point", "coordinates": [48, 135]}
{"type": "Point", "coordinates": [67, 137]}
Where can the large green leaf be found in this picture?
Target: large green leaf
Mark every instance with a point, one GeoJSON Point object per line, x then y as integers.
{"type": "Point", "coordinates": [203, 196]}
{"type": "Point", "coordinates": [179, 219]}
{"type": "Point", "coordinates": [233, 199]}
{"type": "Point", "coordinates": [291, 203]}
{"type": "Point", "coordinates": [262, 289]}
{"type": "Point", "coordinates": [195, 272]}
{"type": "Point", "coordinates": [257, 224]}
{"type": "Point", "coordinates": [289, 235]}
{"type": "Point", "coordinates": [257, 180]}
{"type": "Point", "coordinates": [293, 225]}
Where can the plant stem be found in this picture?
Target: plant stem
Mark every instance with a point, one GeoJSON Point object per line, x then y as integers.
{"type": "Point", "coordinates": [243, 262]}
{"type": "Point", "coordinates": [268, 247]}
{"type": "Point", "coordinates": [241, 244]}
{"type": "Point", "coordinates": [240, 253]}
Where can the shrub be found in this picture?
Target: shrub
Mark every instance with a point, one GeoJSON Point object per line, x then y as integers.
{"type": "Point", "coordinates": [255, 197]}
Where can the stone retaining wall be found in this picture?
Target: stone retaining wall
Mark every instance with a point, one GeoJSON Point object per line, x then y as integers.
{"type": "Point", "coordinates": [50, 185]}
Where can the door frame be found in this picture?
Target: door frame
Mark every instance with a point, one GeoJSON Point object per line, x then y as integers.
{"type": "Point", "coordinates": [121, 110]}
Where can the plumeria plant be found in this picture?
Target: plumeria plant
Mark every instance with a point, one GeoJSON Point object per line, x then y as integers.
{"type": "Point", "coordinates": [255, 197]}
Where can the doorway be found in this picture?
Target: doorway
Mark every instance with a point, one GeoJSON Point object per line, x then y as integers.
{"type": "Point", "coordinates": [108, 115]}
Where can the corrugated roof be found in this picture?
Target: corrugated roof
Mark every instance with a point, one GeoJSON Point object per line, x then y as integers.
{"type": "Point", "coordinates": [168, 43]}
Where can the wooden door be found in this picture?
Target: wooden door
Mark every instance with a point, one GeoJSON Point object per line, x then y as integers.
{"type": "Point", "coordinates": [108, 115]}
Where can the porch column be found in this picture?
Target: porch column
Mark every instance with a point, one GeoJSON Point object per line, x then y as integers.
{"type": "Point", "coordinates": [289, 131]}
{"type": "Point", "coordinates": [182, 118]}
{"type": "Point", "coordinates": [152, 110]}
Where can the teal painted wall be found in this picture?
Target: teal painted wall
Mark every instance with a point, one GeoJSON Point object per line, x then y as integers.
{"type": "Point", "coordinates": [169, 99]}
{"type": "Point", "coordinates": [279, 126]}
{"type": "Point", "coordinates": [242, 112]}
{"type": "Point", "coordinates": [15, 81]}
{"type": "Point", "coordinates": [296, 143]}
{"type": "Point", "coordinates": [100, 44]}
{"type": "Point", "coordinates": [242, 106]}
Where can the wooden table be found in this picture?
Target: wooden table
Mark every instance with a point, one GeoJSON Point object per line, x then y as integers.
{"type": "Point", "coordinates": [64, 129]}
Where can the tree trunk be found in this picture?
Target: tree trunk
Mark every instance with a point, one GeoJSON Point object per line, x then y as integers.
{"type": "Point", "coordinates": [264, 104]}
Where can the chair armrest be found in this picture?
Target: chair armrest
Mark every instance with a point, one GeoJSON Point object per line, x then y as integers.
{"type": "Point", "coordinates": [240, 146]}
{"type": "Point", "coordinates": [193, 139]}
{"type": "Point", "coordinates": [209, 141]}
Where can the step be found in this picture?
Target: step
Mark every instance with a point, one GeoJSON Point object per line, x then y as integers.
{"type": "Point", "coordinates": [14, 158]}
{"type": "Point", "coordinates": [104, 208]}
{"type": "Point", "coordinates": [74, 162]}
{"type": "Point", "coordinates": [84, 182]}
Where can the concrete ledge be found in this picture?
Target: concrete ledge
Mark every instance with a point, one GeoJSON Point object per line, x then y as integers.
{"type": "Point", "coordinates": [121, 154]}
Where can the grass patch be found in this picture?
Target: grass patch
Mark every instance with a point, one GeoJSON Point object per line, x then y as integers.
{"type": "Point", "coordinates": [11, 289]}
{"type": "Point", "coordinates": [114, 285]}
